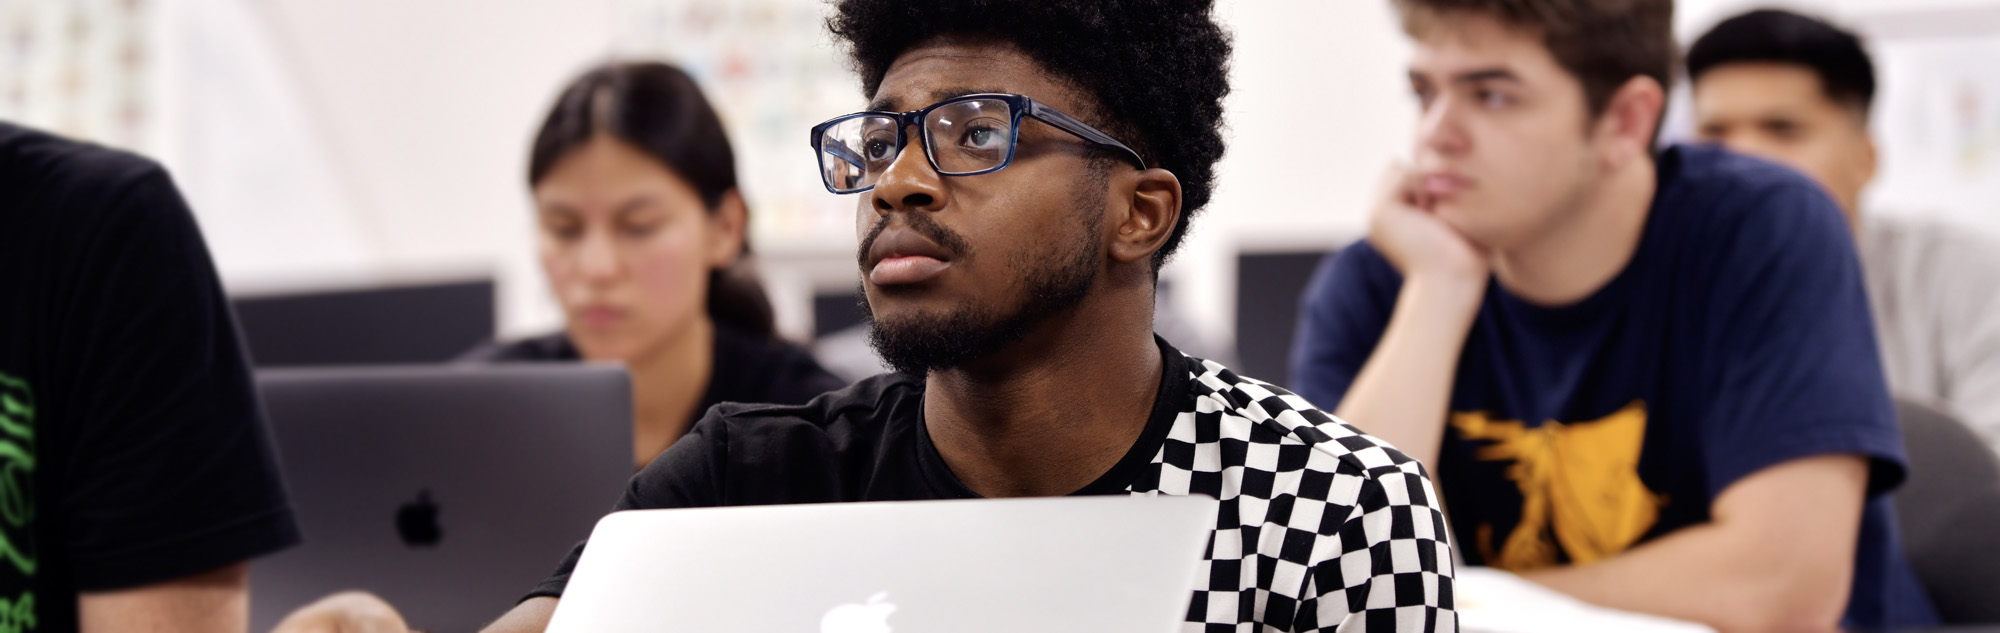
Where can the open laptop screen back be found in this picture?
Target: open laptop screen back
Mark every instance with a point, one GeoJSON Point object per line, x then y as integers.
{"type": "Point", "coordinates": [1115, 563]}
{"type": "Point", "coordinates": [448, 490]}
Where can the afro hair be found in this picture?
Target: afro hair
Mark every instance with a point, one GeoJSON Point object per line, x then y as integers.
{"type": "Point", "coordinates": [1156, 69]}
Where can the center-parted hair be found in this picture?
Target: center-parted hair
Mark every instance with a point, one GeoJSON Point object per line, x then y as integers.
{"type": "Point", "coordinates": [1604, 43]}
{"type": "Point", "coordinates": [1152, 72]}
{"type": "Point", "coordinates": [1846, 75]}
{"type": "Point", "coordinates": [658, 110]}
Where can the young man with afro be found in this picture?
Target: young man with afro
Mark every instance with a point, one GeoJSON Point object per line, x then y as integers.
{"type": "Point", "coordinates": [1010, 275]}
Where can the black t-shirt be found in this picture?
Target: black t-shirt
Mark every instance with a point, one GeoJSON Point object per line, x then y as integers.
{"type": "Point", "coordinates": [747, 367]}
{"type": "Point", "coordinates": [133, 448]}
{"type": "Point", "coordinates": [1317, 525]}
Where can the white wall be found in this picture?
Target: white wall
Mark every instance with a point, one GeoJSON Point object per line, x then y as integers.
{"type": "Point", "coordinates": [374, 141]}
{"type": "Point", "coordinates": [1318, 109]}
{"type": "Point", "coordinates": [380, 140]}
{"type": "Point", "coordinates": [369, 141]}
{"type": "Point", "coordinates": [1931, 57]}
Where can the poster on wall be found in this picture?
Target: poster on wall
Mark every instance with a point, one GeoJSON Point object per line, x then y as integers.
{"type": "Point", "coordinates": [1937, 120]}
{"type": "Point", "coordinates": [772, 72]}
{"type": "Point", "coordinates": [80, 68]}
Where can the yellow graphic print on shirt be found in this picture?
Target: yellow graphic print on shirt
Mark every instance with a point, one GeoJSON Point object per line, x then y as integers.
{"type": "Point", "coordinates": [1579, 483]}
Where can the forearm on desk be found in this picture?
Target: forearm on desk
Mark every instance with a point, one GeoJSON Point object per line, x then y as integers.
{"type": "Point", "coordinates": [216, 601]}
{"type": "Point", "coordinates": [1777, 556]}
{"type": "Point", "coordinates": [1403, 393]}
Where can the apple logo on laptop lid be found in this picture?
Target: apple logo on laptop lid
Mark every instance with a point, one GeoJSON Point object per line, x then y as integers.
{"type": "Point", "coordinates": [417, 521]}
{"type": "Point", "coordinates": [871, 617]}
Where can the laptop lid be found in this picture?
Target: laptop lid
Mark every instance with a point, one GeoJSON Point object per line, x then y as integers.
{"type": "Point", "coordinates": [1047, 565]}
{"type": "Point", "coordinates": [449, 490]}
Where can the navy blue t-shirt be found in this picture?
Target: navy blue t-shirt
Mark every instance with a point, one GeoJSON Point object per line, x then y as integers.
{"type": "Point", "coordinates": [1738, 337]}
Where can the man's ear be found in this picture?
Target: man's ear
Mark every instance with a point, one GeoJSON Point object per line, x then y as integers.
{"type": "Point", "coordinates": [1630, 118]}
{"type": "Point", "coordinates": [728, 227]}
{"type": "Point", "coordinates": [1870, 158]}
{"type": "Point", "coordinates": [1150, 217]}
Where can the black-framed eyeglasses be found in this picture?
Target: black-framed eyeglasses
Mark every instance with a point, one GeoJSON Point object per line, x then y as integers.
{"type": "Point", "coordinates": [962, 136]}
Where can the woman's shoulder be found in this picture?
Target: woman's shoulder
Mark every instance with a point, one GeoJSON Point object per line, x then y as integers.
{"type": "Point", "coordinates": [753, 368]}
{"type": "Point", "coordinates": [548, 347]}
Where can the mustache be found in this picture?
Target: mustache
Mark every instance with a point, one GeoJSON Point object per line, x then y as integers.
{"type": "Point", "coordinates": [921, 222]}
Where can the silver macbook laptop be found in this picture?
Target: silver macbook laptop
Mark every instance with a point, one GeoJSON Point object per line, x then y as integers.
{"type": "Point", "coordinates": [449, 490]}
{"type": "Point", "coordinates": [1047, 565]}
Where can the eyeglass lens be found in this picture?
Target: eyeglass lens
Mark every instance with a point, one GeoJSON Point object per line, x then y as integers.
{"type": "Point", "coordinates": [966, 137]}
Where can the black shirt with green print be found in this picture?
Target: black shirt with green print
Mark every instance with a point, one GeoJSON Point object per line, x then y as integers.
{"type": "Point", "coordinates": [133, 449]}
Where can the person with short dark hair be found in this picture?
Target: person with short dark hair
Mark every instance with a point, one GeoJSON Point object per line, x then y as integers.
{"type": "Point", "coordinates": [644, 239]}
{"type": "Point", "coordinates": [1021, 173]}
{"type": "Point", "coordinates": [137, 476]}
{"type": "Point", "coordinates": [1794, 89]}
{"type": "Point", "coordinates": [1646, 378]}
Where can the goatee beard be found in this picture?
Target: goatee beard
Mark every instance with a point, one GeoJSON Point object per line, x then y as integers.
{"type": "Point", "coordinates": [971, 331]}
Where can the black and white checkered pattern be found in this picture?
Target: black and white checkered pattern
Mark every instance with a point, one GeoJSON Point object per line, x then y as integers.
{"type": "Point", "coordinates": [1321, 528]}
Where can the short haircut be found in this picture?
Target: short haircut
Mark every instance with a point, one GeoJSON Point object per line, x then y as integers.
{"type": "Point", "coordinates": [1604, 43]}
{"type": "Point", "coordinates": [1846, 75]}
{"type": "Point", "coordinates": [1152, 72]}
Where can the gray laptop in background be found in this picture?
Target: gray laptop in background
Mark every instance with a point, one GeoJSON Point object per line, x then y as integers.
{"type": "Point", "coordinates": [449, 490]}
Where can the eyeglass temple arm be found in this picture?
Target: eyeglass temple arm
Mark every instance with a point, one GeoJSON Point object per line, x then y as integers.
{"type": "Point", "coordinates": [844, 153]}
{"type": "Point", "coordinates": [1082, 130]}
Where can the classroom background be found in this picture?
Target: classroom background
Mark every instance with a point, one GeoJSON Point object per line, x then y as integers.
{"type": "Point", "coordinates": [358, 167]}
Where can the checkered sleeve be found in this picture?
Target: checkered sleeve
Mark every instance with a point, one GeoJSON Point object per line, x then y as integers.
{"type": "Point", "coordinates": [1393, 571]}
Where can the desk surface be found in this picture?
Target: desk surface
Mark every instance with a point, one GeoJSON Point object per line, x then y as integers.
{"type": "Point", "coordinates": [1494, 601]}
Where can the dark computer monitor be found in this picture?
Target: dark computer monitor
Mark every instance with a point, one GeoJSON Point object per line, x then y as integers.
{"type": "Point", "coordinates": [425, 323]}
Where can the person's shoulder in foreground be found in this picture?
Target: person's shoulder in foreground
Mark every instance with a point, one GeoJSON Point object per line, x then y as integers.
{"type": "Point", "coordinates": [128, 400]}
{"type": "Point", "coordinates": [40, 164]}
{"type": "Point", "coordinates": [551, 347]}
{"type": "Point", "coordinates": [1739, 183]}
{"type": "Point", "coordinates": [747, 367]}
{"type": "Point", "coordinates": [1319, 524]}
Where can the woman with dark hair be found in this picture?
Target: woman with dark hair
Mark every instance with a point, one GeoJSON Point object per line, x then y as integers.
{"type": "Point", "coordinates": [643, 238]}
